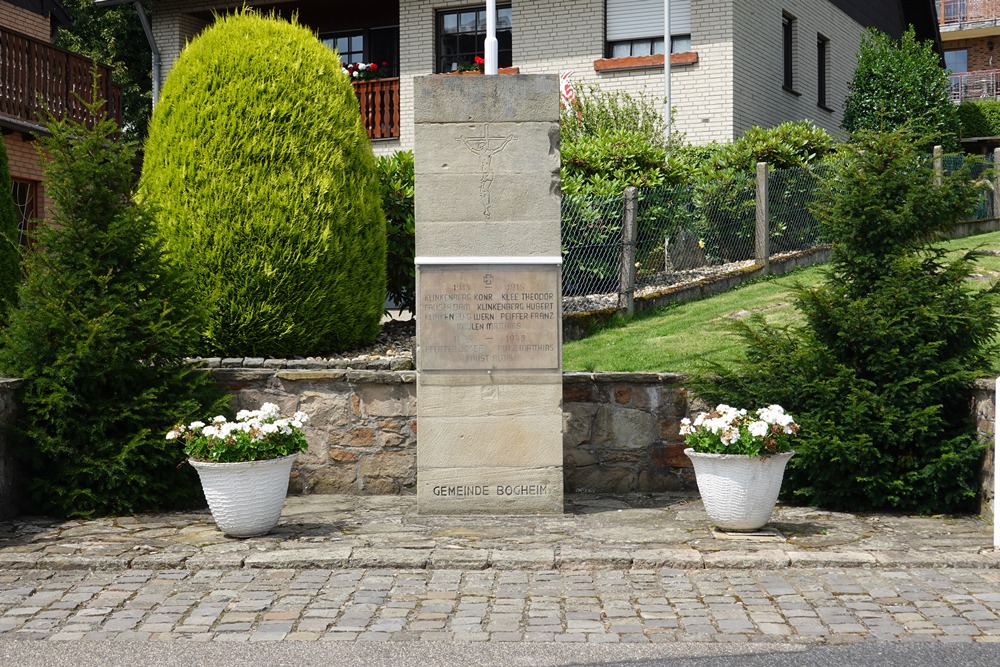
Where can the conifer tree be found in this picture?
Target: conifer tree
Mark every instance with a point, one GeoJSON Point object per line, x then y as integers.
{"type": "Point", "coordinates": [99, 336]}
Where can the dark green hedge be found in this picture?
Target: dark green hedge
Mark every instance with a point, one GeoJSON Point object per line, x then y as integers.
{"type": "Point", "coordinates": [980, 118]}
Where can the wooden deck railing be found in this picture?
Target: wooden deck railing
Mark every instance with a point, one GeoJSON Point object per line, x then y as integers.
{"type": "Point", "coordinates": [36, 77]}
{"type": "Point", "coordinates": [379, 101]}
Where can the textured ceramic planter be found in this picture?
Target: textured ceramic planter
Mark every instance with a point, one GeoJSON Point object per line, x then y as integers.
{"type": "Point", "coordinates": [738, 491]}
{"type": "Point", "coordinates": [245, 498]}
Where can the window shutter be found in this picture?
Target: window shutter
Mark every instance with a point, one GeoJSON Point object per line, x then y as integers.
{"type": "Point", "coordinates": [637, 19]}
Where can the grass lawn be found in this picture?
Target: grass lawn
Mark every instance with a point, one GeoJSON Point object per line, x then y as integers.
{"type": "Point", "coordinates": [683, 338]}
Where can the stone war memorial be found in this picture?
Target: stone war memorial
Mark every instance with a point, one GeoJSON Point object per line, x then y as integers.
{"type": "Point", "coordinates": [488, 256]}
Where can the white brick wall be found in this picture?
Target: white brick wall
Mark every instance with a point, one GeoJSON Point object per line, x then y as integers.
{"type": "Point", "coordinates": [758, 73]}
{"type": "Point", "coordinates": [735, 84]}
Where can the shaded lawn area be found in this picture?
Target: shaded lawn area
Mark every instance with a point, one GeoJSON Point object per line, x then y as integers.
{"type": "Point", "coordinates": [686, 337]}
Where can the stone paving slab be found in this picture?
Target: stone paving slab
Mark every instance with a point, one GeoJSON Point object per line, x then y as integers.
{"type": "Point", "coordinates": [603, 532]}
{"type": "Point", "coordinates": [816, 605]}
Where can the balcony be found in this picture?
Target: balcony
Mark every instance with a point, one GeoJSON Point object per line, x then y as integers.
{"type": "Point", "coordinates": [37, 78]}
{"type": "Point", "coordinates": [962, 14]}
{"type": "Point", "coordinates": [978, 85]}
{"type": "Point", "coordinates": [379, 102]}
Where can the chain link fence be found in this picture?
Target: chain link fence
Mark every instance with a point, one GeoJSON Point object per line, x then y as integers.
{"type": "Point", "coordinates": [680, 231]}
{"type": "Point", "coordinates": [664, 236]}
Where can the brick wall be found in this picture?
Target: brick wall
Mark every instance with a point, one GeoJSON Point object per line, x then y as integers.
{"type": "Point", "coordinates": [26, 164]}
{"type": "Point", "coordinates": [25, 21]}
{"type": "Point", "coordinates": [980, 55]}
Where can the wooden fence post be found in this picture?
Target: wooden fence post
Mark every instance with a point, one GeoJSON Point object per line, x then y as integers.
{"type": "Point", "coordinates": [762, 237]}
{"type": "Point", "coordinates": [626, 283]}
{"type": "Point", "coordinates": [996, 183]}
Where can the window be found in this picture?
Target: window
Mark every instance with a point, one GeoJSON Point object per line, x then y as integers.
{"type": "Point", "coordinates": [375, 45]}
{"type": "Point", "coordinates": [461, 35]}
{"type": "Point", "coordinates": [788, 51]}
{"type": "Point", "coordinates": [635, 27]}
{"type": "Point", "coordinates": [822, 46]}
{"type": "Point", "coordinates": [350, 46]}
{"type": "Point", "coordinates": [25, 200]}
{"type": "Point", "coordinates": [648, 47]}
{"type": "Point", "coordinates": [956, 61]}
{"type": "Point", "coordinates": [955, 11]}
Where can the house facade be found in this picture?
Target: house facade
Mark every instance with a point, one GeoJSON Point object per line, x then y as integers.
{"type": "Point", "coordinates": [734, 64]}
{"type": "Point", "coordinates": [970, 38]}
{"type": "Point", "coordinates": [37, 77]}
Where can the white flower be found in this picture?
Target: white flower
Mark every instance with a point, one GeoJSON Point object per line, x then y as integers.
{"type": "Point", "coordinates": [219, 419]}
{"type": "Point", "coordinates": [173, 435]}
{"type": "Point", "coordinates": [758, 429]}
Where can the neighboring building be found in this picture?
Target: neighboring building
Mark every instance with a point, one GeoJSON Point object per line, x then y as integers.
{"type": "Point", "coordinates": [734, 63]}
{"type": "Point", "coordinates": [970, 31]}
{"type": "Point", "coordinates": [37, 77]}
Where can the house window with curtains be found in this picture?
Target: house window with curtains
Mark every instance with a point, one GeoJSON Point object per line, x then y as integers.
{"type": "Point", "coordinates": [26, 202]}
{"type": "Point", "coordinates": [461, 34]}
{"type": "Point", "coordinates": [635, 28]}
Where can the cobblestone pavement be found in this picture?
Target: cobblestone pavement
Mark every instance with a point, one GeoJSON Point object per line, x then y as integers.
{"type": "Point", "coordinates": [645, 532]}
{"type": "Point", "coordinates": [793, 606]}
{"type": "Point", "coordinates": [629, 568]}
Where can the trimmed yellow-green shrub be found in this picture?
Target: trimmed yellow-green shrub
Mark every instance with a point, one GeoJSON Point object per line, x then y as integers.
{"type": "Point", "coordinates": [264, 184]}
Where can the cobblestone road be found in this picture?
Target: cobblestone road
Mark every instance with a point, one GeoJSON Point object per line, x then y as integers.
{"type": "Point", "coordinates": [802, 606]}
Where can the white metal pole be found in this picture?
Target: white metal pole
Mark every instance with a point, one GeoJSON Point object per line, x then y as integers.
{"type": "Point", "coordinates": [996, 461]}
{"type": "Point", "coordinates": [491, 46]}
{"type": "Point", "coordinates": [666, 65]}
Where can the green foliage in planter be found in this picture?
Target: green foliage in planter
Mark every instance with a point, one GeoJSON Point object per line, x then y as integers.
{"type": "Point", "coordinates": [395, 174]}
{"type": "Point", "coordinates": [901, 83]}
{"type": "Point", "coordinates": [10, 255]}
{"type": "Point", "coordinates": [879, 375]}
{"type": "Point", "coordinates": [980, 118]}
{"type": "Point", "coordinates": [99, 336]}
{"type": "Point", "coordinates": [265, 186]}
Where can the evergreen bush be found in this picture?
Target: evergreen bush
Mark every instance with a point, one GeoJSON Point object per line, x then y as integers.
{"type": "Point", "coordinates": [879, 374]}
{"type": "Point", "coordinates": [901, 83]}
{"type": "Point", "coordinates": [99, 336]}
{"type": "Point", "coordinates": [10, 255]}
{"type": "Point", "coordinates": [264, 185]}
{"type": "Point", "coordinates": [395, 173]}
{"type": "Point", "coordinates": [980, 118]}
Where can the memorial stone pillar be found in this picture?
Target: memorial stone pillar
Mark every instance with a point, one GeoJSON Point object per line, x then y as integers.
{"type": "Point", "coordinates": [489, 312]}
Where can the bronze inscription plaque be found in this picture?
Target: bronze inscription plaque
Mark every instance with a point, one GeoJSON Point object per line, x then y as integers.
{"type": "Point", "coordinates": [489, 317]}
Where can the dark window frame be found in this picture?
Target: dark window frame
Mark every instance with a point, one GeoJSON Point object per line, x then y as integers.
{"type": "Point", "coordinates": [449, 57]}
{"type": "Point", "coordinates": [788, 52]}
{"type": "Point", "coordinates": [822, 68]}
{"type": "Point", "coordinates": [25, 193]}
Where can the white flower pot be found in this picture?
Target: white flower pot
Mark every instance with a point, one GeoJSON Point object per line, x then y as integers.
{"type": "Point", "coordinates": [738, 491]}
{"type": "Point", "coordinates": [245, 498]}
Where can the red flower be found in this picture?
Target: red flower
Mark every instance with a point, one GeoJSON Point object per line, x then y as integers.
{"type": "Point", "coordinates": [479, 61]}
{"type": "Point", "coordinates": [373, 67]}
{"type": "Point", "coordinates": [385, 63]}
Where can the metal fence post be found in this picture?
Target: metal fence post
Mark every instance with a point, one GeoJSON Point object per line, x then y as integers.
{"type": "Point", "coordinates": [938, 165]}
{"type": "Point", "coordinates": [626, 283]}
{"type": "Point", "coordinates": [996, 183]}
{"type": "Point", "coordinates": [761, 246]}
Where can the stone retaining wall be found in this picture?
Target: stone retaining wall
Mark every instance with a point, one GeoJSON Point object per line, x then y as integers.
{"type": "Point", "coordinates": [620, 430]}
{"type": "Point", "coordinates": [10, 490]}
{"type": "Point", "coordinates": [985, 410]}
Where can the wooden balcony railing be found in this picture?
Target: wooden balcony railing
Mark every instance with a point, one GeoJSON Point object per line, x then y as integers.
{"type": "Point", "coordinates": [954, 12]}
{"type": "Point", "coordinates": [379, 101]}
{"type": "Point", "coordinates": [36, 77]}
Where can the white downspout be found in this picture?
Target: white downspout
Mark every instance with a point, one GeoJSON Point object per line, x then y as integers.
{"type": "Point", "coordinates": [667, 48]}
{"type": "Point", "coordinates": [148, 29]}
